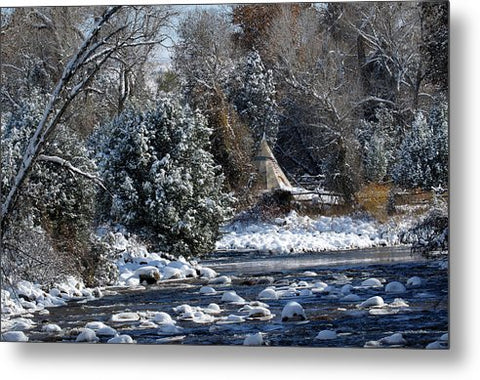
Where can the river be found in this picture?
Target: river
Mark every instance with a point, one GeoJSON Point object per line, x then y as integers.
{"type": "Point", "coordinates": [421, 322]}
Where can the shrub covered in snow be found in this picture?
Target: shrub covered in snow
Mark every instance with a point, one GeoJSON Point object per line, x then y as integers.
{"type": "Point", "coordinates": [48, 233]}
{"type": "Point", "coordinates": [165, 184]}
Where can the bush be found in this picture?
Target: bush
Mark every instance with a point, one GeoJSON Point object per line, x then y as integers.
{"type": "Point", "coordinates": [431, 234]}
{"type": "Point", "coordinates": [374, 199]}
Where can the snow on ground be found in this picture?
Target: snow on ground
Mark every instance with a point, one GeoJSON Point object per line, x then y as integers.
{"type": "Point", "coordinates": [295, 233]}
{"type": "Point", "coordinates": [135, 266]}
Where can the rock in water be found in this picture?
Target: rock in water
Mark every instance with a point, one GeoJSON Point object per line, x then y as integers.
{"type": "Point", "coordinates": [372, 282]}
{"type": "Point", "coordinates": [87, 335]}
{"type": "Point", "coordinates": [414, 282]}
{"type": "Point", "coordinates": [395, 287]}
{"type": "Point", "coordinates": [121, 339]}
{"type": "Point", "coordinates": [326, 335]}
{"type": "Point", "coordinates": [253, 340]}
{"type": "Point", "coordinates": [232, 297]}
{"type": "Point", "coordinates": [14, 336]}
{"type": "Point", "coordinates": [268, 294]}
{"type": "Point", "coordinates": [373, 301]}
{"type": "Point", "coordinates": [293, 311]}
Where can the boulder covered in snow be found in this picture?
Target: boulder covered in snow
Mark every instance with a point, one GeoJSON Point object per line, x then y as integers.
{"type": "Point", "coordinates": [268, 294]}
{"type": "Point", "coordinates": [121, 339]}
{"type": "Point", "coordinates": [414, 282]}
{"type": "Point", "coordinates": [208, 290]}
{"type": "Point", "coordinates": [293, 311]}
{"type": "Point", "coordinates": [395, 287]}
{"type": "Point", "coordinates": [373, 301]}
{"type": "Point", "coordinates": [51, 328]}
{"type": "Point", "coordinates": [253, 340]}
{"type": "Point", "coordinates": [14, 336]}
{"type": "Point", "coordinates": [372, 282]}
{"type": "Point", "coordinates": [87, 336]}
{"type": "Point", "coordinates": [233, 297]}
{"type": "Point", "coordinates": [326, 335]}
{"type": "Point", "coordinates": [148, 275]}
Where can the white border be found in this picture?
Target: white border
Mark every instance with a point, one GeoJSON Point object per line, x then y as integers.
{"type": "Point", "coordinates": [462, 361]}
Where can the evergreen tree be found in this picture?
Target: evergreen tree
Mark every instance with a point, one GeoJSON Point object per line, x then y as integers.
{"type": "Point", "coordinates": [254, 98]}
{"type": "Point", "coordinates": [165, 184]}
{"type": "Point", "coordinates": [423, 156]}
{"type": "Point", "coordinates": [380, 139]}
{"type": "Point", "coordinates": [48, 234]}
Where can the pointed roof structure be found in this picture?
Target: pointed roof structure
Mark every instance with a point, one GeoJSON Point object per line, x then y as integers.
{"type": "Point", "coordinates": [270, 175]}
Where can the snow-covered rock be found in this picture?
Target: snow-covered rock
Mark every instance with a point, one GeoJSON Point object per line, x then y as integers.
{"type": "Point", "coordinates": [305, 293]}
{"type": "Point", "coordinates": [293, 311]}
{"type": "Point", "coordinates": [169, 329]}
{"type": "Point", "coordinates": [121, 339]}
{"type": "Point", "coordinates": [14, 336]}
{"type": "Point", "coordinates": [221, 280]}
{"type": "Point", "coordinates": [148, 274]}
{"type": "Point", "coordinates": [207, 273]}
{"type": "Point", "coordinates": [372, 282]}
{"type": "Point", "coordinates": [172, 273]}
{"type": "Point", "coordinates": [268, 294]}
{"type": "Point", "coordinates": [395, 339]}
{"type": "Point", "coordinates": [87, 336]}
{"type": "Point", "coordinates": [233, 297]}
{"type": "Point", "coordinates": [106, 331]}
{"type": "Point", "coordinates": [398, 303]}
{"type": "Point", "coordinates": [326, 335]}
{"type": "Point", "coordinates": [373, 301]}
{"type": "Point", "coordinates": [253, 340]}
{"type": "Point", "coordinates": [232, 318]}
{"type": "Point", "coordinates": [213, 309]}
{"type": "Point", "coordinates": [414, 282]}
{"type": "Point", "coordinates": [51, 328]}
{"type": "Point", "coordinates": [162, 318]}
{"type": "Point", "coordinates": [259, 312]}
{"type": "Point", "coordinates": [125, 317]}
{"type": "Point", "coordinates": [346, 289]}
{"type": "Point", "coordinates": [350, 298]}
{"type": "Point", "coordinates": [395, 287]}
{"type": "Point", "coordinates": [208, 290]}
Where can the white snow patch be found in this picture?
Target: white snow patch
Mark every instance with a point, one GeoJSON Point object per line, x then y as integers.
{"type": "Point", "coordinates": [295, 233]}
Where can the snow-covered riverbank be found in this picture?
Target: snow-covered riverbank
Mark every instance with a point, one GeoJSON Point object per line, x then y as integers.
{"type": "Point", "coordinates": [20, 300]}
{"type": "Point", "coordinates": [294, 234]}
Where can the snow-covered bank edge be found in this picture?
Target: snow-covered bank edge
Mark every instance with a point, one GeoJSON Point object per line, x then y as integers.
{"type": "Point", "coordinates": [296, 234]}
{"type": "Point", "coordinates": [135, 265]}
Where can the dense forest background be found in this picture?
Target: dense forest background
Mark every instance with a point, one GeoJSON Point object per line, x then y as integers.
{"type": "Point", "coordinates": [97, 129]}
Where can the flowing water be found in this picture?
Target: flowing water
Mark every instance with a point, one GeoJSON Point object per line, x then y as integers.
{"type": "Point", "coordinates": [423, 321]}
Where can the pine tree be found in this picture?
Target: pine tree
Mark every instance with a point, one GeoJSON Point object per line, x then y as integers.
{"type": "Point", "coordinates": [165, 184]}
{"type": "Point", "coordinates": [254, 98]}
{"type": "Point", "coordinates": [423, 156]}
